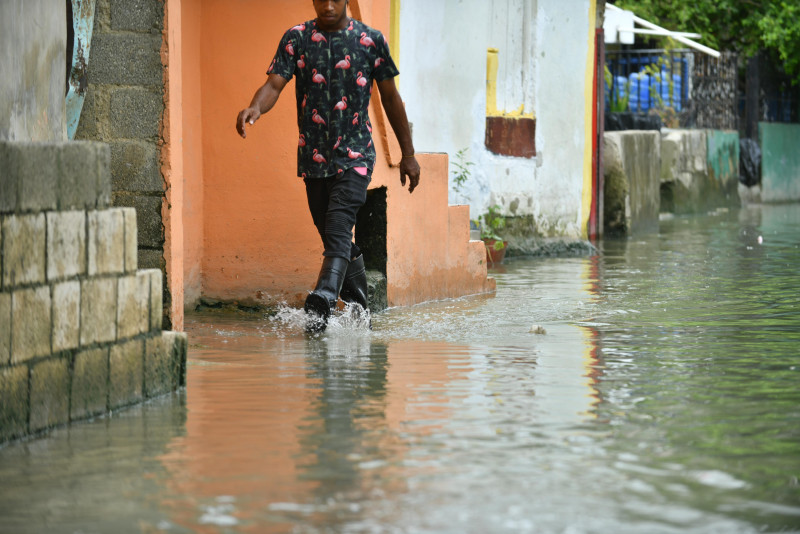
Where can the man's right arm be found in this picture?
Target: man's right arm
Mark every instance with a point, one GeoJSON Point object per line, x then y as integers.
{"type": "Point", "coordinates": [262, 102]}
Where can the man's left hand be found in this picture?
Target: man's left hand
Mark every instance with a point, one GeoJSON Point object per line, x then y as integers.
{"type": "Point", "coordinates": [410, 168]}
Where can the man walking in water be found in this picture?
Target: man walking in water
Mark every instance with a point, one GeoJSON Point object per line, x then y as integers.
{"type": "Point", "coordinates": [334, 60]}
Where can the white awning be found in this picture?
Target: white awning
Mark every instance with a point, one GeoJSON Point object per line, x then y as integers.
{"type": "Point", "coordinates": [618, 27]}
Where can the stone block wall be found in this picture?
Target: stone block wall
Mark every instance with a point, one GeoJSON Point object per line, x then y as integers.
{"type": "Point", "coordinates": [124, 106]}
{"type": "Point", "coordinates": [683, 170]}
{"type": "Point", "coordinates": [80, 325]}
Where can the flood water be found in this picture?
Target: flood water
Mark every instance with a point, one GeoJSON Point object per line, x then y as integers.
{"type": "Point", "coordinates": [662, 397]}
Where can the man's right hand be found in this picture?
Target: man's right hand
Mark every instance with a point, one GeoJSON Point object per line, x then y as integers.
{"type": "Point", "coordinates": [262, 102]}
{"type": "Point", "coordinates": [409, 167]}
{"type": "Point", "coordinates": [246, 116]}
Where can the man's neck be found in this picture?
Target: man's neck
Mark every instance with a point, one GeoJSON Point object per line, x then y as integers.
{"type": "Point", "coordinates": [336, 27]}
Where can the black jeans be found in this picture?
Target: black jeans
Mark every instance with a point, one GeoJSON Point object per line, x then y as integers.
{"type": "Point", "coordinates": [334, 203]}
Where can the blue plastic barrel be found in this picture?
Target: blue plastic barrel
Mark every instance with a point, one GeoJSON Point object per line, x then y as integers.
{"type": "Point", "coordinates": [672, 100]}
{"type": "Point", "coordinates": [640, 92]}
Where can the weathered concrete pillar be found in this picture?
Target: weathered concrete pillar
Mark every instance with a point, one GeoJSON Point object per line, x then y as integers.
{"type": "Point", "coordinates": [632, 169]}
{"type": "Point", "coordinates": [722, 160]}
{"type": "Point", "coordinates": [33, 42]}
{"type": "Point", "coordinates": [699, 170]}
{"type": "Point", "coordinates": [683, 170]}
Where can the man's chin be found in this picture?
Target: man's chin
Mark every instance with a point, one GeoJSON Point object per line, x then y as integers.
{"type": "Point", "coordinates": [329, 23]}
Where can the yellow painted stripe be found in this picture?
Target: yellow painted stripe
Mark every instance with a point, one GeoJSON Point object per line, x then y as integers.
{"type": "Point", "coordinates": [586, 200]}
{"type": "Point", "coordinates": [394, 32]}
{"type": "Point", "coordinates": [491, 82]}
{"type": "Point", "coordinates": [492, 66]}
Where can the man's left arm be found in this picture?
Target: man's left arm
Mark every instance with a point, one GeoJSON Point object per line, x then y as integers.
{"type": "Point", "coordinates": [396, 112]}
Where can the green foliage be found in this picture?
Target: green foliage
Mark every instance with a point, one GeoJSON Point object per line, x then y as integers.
{"type": "Point", "coordinates": [489, 223]}
{"type": "Point", "coordinates": [463, 170]}
{"type": "Point", "coordinates": [780, 30]}
{"type": "Point", "coordinates": [743, 26]}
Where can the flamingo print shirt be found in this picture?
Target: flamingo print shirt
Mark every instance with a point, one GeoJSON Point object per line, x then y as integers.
{"type": "Point", "coordinates": [334, 73]}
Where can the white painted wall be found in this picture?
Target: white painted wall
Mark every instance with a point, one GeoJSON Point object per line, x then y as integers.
{"type": "Point", "coordinates": [543, 49]}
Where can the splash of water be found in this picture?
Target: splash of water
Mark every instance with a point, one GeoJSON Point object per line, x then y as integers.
{"type": "Point", "coordinates": [352, 319]}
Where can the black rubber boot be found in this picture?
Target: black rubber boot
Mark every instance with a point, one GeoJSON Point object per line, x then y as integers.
{"type": "Point", "coordinates": [322, 300]}
{"type": "Point", "coordinates": [354, 288]}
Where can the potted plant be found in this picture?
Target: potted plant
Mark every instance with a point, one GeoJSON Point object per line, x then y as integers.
{"type": "Point", "coordinates": [489, 223]}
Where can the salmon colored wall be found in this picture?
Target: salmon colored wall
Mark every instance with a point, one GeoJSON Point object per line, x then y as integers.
{"type": "Point", "coordinates": [172, 161]}
{"type": "Point", "coordinates": [260, 243]}
{"type": "Point", "coordinates": [429, 253]}
{"type": "Point", "coordinates": [191, 19]}
{"type": "Point", "coordinates": [249, 226]}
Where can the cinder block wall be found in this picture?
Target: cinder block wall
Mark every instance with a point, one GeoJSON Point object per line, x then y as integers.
{"type": "Point", "coordinates": [123, 107]}
{"type": "Point", "coordinates": [80, 326]}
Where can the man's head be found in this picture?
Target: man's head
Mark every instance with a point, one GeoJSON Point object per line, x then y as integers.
{"type": "Point", "coordinates": [331, 14]}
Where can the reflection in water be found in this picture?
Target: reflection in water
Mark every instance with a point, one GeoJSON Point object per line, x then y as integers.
{"type": "Point", "coordinates": [343, 432]}
{"type": "Point", "coordinates": [103, 476]}
{"type": "Point", "coordinates": [592, 336]}
{"type": "Point", "coordinates": [662, 398]}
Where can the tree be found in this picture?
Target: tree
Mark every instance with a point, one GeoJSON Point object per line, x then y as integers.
{"type": "Point", "coordinates": [743, 26]}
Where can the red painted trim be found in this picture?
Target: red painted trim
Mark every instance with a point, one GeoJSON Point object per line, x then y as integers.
{"type": "Point", "coordinates": [601, 126]}
{"type": "Point", "coordinates": [511, 136]}
{"type": "Point", "coordinates": [592, 229]}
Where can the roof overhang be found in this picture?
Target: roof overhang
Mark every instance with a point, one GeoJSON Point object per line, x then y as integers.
{"type": "Point", "coordinates": [619, 28]}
